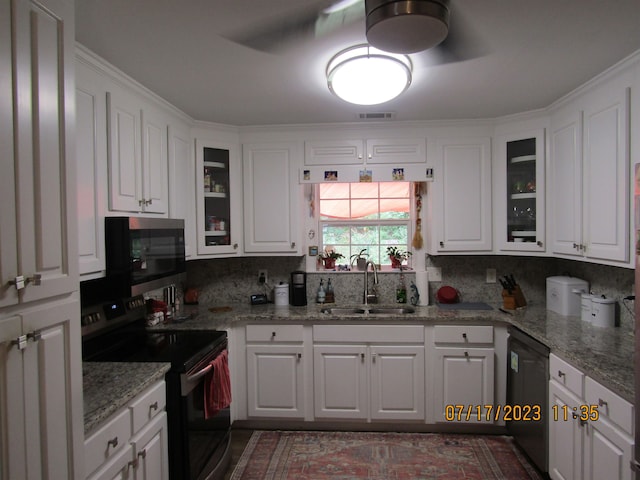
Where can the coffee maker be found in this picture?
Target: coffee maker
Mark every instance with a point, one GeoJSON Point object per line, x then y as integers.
{"type": "Point", "coordinates": [298, 290]}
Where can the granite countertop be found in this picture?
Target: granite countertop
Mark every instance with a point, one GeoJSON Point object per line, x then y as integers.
{"type": "Point", "coordinates": [109, 386]}
{"type": "Point", "coordinates": [605, 354]}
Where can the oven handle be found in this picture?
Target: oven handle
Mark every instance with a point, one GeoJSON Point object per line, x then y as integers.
{"type": "Point", "coordinates": [201, 373]}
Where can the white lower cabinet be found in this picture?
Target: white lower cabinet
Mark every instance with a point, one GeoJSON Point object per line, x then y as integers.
{"type": "Point", "coordinates": [464, 373]}
{"type": "Point", "coordinates": [275, 371]}
{"type": "Point", "coordinates": [590, 428]}
{"type": "Point", "coordinates": [132, 445]}
{"type": "Point", "coordinates": [369, 372]}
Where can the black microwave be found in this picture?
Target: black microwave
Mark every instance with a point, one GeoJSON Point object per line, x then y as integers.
{"type": "Point", "coordinates": [143, 254]}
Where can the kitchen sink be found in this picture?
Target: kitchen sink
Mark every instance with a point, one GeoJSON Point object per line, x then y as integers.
{"type": "Point", "coordinates": [368, 311]}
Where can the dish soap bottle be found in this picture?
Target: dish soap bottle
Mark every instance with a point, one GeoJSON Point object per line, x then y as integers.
{"type": "Point", "coordinates": [329, 294]}
{"type": "Point", "coordinates": [321, 295]}
{"type": "Point", "coordinates": [401, 291]}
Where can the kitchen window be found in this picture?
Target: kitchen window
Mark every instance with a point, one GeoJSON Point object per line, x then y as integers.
{"type": "Point", "coordinates": [371, 216]}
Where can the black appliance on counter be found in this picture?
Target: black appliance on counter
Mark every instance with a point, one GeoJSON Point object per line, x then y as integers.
{"type": "Point", "coordinates": [143, 254]}
{"type": "Point", "coordinates": [527, 384]}
{"type": "Point", "coordinates": [298, 290]}
{"type": "Point", "coordinates": [114, 330]}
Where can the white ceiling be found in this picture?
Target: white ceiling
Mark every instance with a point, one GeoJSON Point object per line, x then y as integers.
{"type": "Point", "coordinates": [535, 52]}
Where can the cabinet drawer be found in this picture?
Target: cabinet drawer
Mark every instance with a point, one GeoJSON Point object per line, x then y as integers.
{"type": "Point", "coordinates": [147, 406]}
{"type": "Point", "coordinates": [107, 441]}
{"type": "Point", "coordinates": [463, 334]}
{"type": "Point", "coordinates": [274, 333]}
{"type": "Point", "coordinates": [567, 375]}
{"type": "Point", "coordinates": [618, 410]}
{"type": "Point", "coordinates": [369, 333]}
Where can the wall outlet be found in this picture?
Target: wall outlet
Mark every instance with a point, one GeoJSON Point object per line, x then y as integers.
{"type": "Point", "coordinates": [262, 276]}
{"type": "Point", "coordinates": [434, 274]}
{"type": "Point", "coordinates": [491, 275]}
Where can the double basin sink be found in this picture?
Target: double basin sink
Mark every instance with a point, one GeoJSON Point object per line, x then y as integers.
{"type": "Point", "coordinates": [365, 310]}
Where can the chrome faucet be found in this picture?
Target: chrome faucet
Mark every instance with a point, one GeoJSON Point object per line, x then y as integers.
{"type": "Point", "coordinates": [370, 297]}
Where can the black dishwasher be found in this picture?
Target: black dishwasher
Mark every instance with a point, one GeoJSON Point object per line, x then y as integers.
{"type": "Point", "coordinates": [527, 392]}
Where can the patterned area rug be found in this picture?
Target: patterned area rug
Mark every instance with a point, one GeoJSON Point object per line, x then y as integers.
{"type": "Point", "coordinates": [277, 455]}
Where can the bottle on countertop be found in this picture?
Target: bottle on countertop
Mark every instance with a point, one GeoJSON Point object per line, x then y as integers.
{"type": "Point", "coordinates": [401, 291]}
{"type": "Point", "coordinates": [329, 294]}
{"type": "Point", "coordinates": [321, 295]}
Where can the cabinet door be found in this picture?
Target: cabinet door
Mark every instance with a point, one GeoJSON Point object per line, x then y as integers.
{"type": "Point", "coordinates": [340, 381]}
{"type": "Point", "coordinates": [463, 377]}
{"type": "Point", "coordinates": [606, 176]}
{"type": "Point", "coordinates": [397, 382]}
{"type": "Point", "coordinates": [125, 152]}
{"type": "Point", "coordinates": [219, 198]}
{"type": "Point", "coordinates": [565, 435]}
{"type": "Point", "coordinates": [8, 215]}
{"type": "Point", "coordinates": [607, 453]}
{"type": "Point", "coordinates": [463, 199]}
{"type": "Point", "coordinates": [13, 454]}
{"type": "Point", "coordinates": [91, 155]}
{"type": "Point", "coordinates": [53, 391]}
{"type": "Point", "coordinates": [270, 200]}
{"type": "Point", "coordinates": [333, 152]}
{"type": "Point", "coordinates": [150, 450]}
{"type": "Point", "coordinates": [46, 203]}
{"type": "Point", "coordinates": [275, 381]}
{"type": "Point", "coordinates": [566, 184]}
{"type": "Point", "coordinates": [519, 192]}
{"type": "Point", "coordinates": [396, 151]}
{"type": "Point", "coordinates": [155, 189]}
{"type": "Point", "coordinates": [182, 174]}
{"type": "Point", "coordinates": [120, 467]}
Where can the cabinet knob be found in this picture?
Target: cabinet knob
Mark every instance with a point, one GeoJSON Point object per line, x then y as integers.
{"type": "Point", "coordinates": [273, 334]}
{"type": "Point", "coordinates": [142, 454]}
{"type": "Point", "coordinates": [148, 202]}
{"type": "Point", "coordinates": [576, 246]}
{"type": "Point", "coordinates": [20, 342]}
{"type": "Point", "coordinates": [362, 356]}
{"type": "Point", "coordinates": [464, 335]}
{"type": "Point", "coordinates": [466, 354]}
{"type": "Point", "coordinates": [293, 244]}
{"type": "Point", "coordinates": [235, 246]}
{"type": "Point", "coordinates": [113, 442]}
{"type": "Point", "coordinates": [299, 356]}
{"type": "Point", "coordinates": [153, 406]}
{"type": "Point", "coordinates": [35, 336]}
{"type": "Point", "coordinates": [442, 244]}
{"type": "Point", "coordinates": [539, 243]}
{"type": "Point", "coordinates": [17, 282]}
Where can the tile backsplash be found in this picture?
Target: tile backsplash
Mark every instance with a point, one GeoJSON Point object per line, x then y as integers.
{"type": "Point", "coordinates": [232, 280]}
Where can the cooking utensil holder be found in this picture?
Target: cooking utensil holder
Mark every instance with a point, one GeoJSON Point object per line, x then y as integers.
{"type": "Point", "coordinates": [514, 299]}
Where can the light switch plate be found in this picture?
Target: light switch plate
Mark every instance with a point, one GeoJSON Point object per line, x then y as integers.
{"type": "Point", "coordinates": [491, 275]}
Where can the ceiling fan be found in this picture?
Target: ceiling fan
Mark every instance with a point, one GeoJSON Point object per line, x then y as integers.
{"type": "Point", "coordinates": [397, 26]}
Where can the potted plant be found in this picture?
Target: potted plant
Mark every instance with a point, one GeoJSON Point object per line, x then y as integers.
{"type": "Point", "coordinates": [397, 256]}
{"type": "Point", "coordinates": [360, 260]}
{"type": "Point", "coordinates": [329, 257]}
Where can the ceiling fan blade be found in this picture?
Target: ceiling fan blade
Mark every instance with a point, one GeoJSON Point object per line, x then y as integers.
{"type": "Point", "coordinates": [462, 43]}
{"type": "Point", "coordinates": [302, 26]}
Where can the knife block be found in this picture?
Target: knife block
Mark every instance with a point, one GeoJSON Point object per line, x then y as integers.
{"type": "Point", "coordinates": [513, 300]}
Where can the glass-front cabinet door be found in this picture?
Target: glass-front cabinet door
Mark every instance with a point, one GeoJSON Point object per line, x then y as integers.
{"type": "Point", "coordinates": [218, 196]}
{"type": "Point", "coordinates": [520, 192]}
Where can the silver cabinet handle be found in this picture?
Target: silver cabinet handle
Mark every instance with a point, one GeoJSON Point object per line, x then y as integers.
{"type": "Point", "coordinates": [293, 244]}
{"type": "Point", "coordinates": [17, 282]}
{"type": "Point", "coordinates": [148, 202]}
{"type": "Point", "coordinates": [153, 406]}
{"type": "Point", "coordinates": [141, 202]}
{"type": "Point", "coordinates": [113, 442]}
{"type": "Point", "coordinates": [273, 335]}
{"type": "Point", "coordinates": [35, 335]}
{"type": "Point", "coordinates": [442, 244]}
{"type": "Point", "coordinates": [235, 246]}
{"type": "Point", "coordinates": [561, 373]}
{"type": "Point", "coordinates": [466, 354]}
{"type": "Point", "coordinates": [362, 356]}
{"type": "Point", "coordinates": [299, 356]}
{"type": "Point", "coordinates": [464, 335]}
{"type": "Point", "coordinates": [539, 243]}
{"type": "Point", "coordinates": [142, 454]}
{"type": "Point", "coordinates": [20, 342]}
{"type": "Point", "coordinates": [602, 403]}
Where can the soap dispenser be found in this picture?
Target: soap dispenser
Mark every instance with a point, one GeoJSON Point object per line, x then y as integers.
{"type": "Point", "coordinates": [321, 295]}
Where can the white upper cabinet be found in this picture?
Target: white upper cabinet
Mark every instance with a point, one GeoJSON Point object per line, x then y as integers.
{"type": "Point", "coordinates": [519, 192]}
{"type": "Point", "coordinates": [395, 151]}
{"type": "Point", "coordinates": [137, 155]}
{"type": "Point", "coordinates": [590, 177]}
{"type": "Point", "coordinates": [460, 196]}
{"type": "Point", "coordinates": [91, 155]}
{"type": "Point", "coordinates": [271, 198]}
{"type": "Point", "coordinates": [181, 187]}
{"type": "Point", "coordinates": [38, 237]}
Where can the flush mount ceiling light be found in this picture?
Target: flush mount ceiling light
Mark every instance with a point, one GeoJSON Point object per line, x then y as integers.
{"type": "Point", "coordinates": [367, 76]}
{"type": "Point", "coordinates": [406, 26]}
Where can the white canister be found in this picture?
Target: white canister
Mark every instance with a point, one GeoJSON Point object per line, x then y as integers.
{"type": "Point", "coordinates": [281, 294]}
{"type": "Point", "coordinates": [603, 312]}
{"type": "Point", "coordinates": [585, 306]}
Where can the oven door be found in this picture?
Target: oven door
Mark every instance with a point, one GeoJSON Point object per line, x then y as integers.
{"type": "Point", "coordinates": [198, 446]}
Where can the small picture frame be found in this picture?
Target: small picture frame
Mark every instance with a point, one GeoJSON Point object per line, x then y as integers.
{"type": "Point", "coordinates": [366, 176]}
{"type": "Point", "coordinates": [306, 175]}
{"type": "Point", "coordinates": [330, 175]}
{"type": "Point", "coordinates": [313, 251]}
{"type": "Point", "coordinates": [398, 174]}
